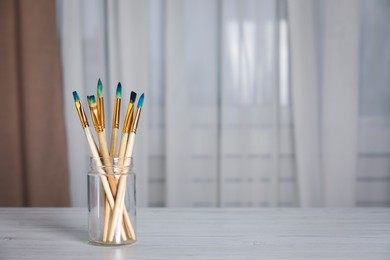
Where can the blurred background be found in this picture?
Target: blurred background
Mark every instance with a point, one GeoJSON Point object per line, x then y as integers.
{"type": "Point", "coordinates": [273, 103]}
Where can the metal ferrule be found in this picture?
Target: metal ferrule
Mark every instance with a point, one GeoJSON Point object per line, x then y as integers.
{"type": "Point", "coordinates": [134, 124]}
{"type": "Point", "coordinates": [96, 119]}
{"type": "Point", "coordinates": [129, 118]}
{"type": "Point", "coordinates": [117, 106]}
{"type": "Point", "coordinates": [82, 116]}
{"type": "Point", "coordinates": [100, 110]}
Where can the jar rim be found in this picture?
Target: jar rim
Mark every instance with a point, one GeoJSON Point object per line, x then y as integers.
{"type": "Point", "coordinates": [115, 164]}
{"type": "Point", "coordinates": [110, 157]}
{"type": "Point", "coordinates": [94, 173]}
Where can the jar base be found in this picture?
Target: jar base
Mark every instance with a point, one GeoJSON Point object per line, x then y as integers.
{"type": "Point", "coordinates": [101, 243]}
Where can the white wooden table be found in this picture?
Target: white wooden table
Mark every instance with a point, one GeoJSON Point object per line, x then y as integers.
{"type": "Point", "coordinates": [47, 233]}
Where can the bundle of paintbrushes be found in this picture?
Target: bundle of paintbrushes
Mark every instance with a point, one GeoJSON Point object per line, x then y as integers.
{"type": "Point", "coordinates": [117, 222]}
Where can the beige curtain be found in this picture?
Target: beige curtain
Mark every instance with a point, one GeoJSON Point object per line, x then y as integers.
{"type": "Point", "coordinates": [33, 161]}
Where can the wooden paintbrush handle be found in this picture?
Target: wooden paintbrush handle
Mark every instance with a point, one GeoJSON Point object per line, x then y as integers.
{"type": "Point", "coordinates": [118, 208]}
{"type": "Point", "coordinates": [111, 179]}
{"type": "Point", "coordinates": [107, 211]}
{"type": "Point", "coordinates": [110, 199]}
{"type": "Point", "coordinates": [107, 162]}
{"type": "Point", "coordinates": [114, 142]}
{"type": "Point", "coordinates": [119, 201]}
{"type": "Point", "coordinates": [122, 148]}
{"type": "Point", "coordinates": [96, 155]}
{"type": "Point", "coordinates": [105, 183]}
{"type": "Point", "coordinates": [107, 214]}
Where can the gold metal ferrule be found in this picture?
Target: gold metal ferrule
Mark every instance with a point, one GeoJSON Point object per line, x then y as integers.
{"type": "Point", "coordinates": [117, 108]}
{"type": "Point", "coordinates": [82, 116]}
{"type": "Point", "coordinates": [134, 124]}
{"type": "Point", "coordinates": [95, 118]}
{"type": "Point", "coordinates": [100, 111]}
{"type": "Point", "coordinates": [129, 118]}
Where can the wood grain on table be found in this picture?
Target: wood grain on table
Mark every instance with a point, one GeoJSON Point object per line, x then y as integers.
{"type": "Point", "coordinates": [175, 233]}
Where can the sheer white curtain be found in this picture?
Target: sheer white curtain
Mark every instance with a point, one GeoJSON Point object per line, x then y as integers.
{"type": "Point", "coordinates": [228, 127]}
{"type": "Point", "coordinates": [248, 103]}
{"type": "Point", "coordinates": [216, 130]}
{"type": "Point", "coordinates": [373, 175]}
{"type": "Point", "coordinates": [341, 93]}
{"type": "Point", "coordinates": [325, 73]}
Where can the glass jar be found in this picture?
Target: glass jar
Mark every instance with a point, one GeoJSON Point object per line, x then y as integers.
{"type": "Point", "coordinates": [111, 201]}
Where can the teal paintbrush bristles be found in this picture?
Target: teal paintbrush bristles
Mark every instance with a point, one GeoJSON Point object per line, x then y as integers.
{"type": "Point", "coordinates": [91, 100]}
{"type": "Point", "coordinates": [76, 96]}
{"type": "Point", "coordinates": [141, 101]}
{"type": "Point", "coordinates": [119, 91]}
{"type": "Point", "coordinates": [100, 89]}
{"type": "Point", "coordinates": [133, 95]}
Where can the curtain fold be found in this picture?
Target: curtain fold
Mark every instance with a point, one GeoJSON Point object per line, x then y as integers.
{"type": "Point", "coordinates": [191, 108]}
{"type": "Point", "coordinates": [325, 74]}
{"type": "Point", "coordinates": [33, 160]}
{"type": "Point", "coordinates": [306, 90]}
{"type": "Point", "coordinates": [340, 101]}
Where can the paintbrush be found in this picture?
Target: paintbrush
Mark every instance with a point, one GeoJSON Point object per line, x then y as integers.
{"type": "Point", "coordinates": [119, 202]}
{"type": "Point", "coordinates": [93, 148]}
{"type": "Point", "coordinates": [85, 125]}
{"type": "Point", "coordinates": [97, 121]}
{"type": "Point", "coordinates": [115, 121]}
{"type": "Point", "coordinates": [102, 141]}
{"type": "Point", "coordinates": [126, 127]}
{"type": "Point", "coordinates": [100, 106]}
{"type": "Point", "coordinates": [113, 148]}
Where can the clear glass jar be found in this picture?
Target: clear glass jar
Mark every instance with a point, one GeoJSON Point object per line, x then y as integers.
{"type": "Point", "coordinates": [111, 201]}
